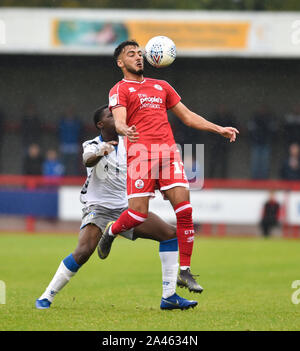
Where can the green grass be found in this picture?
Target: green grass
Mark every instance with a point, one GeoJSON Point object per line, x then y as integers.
{"type": "Point", "coordinates": [247, 286]}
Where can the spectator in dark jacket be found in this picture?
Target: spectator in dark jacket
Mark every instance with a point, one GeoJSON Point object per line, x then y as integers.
{"type": "Point", "coordinates": [270, 216]}
{"type": "Point", "coordinates": [291, 126]}
{"type": "Point", "coordinates": [33, 161]}
{"type": "Point", "coordinates": [290, 169]}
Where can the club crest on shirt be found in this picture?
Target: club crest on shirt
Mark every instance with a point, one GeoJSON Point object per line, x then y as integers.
{"type": "Point", "coordinates": [158, 87]}
{"type": "Point", "coordinates": [139, 184]}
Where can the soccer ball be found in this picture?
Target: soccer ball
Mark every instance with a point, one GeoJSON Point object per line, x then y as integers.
{"type": "Point", "coordinates": [160, 51]}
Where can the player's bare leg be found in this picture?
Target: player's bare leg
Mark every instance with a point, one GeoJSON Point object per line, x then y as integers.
{"type": "Point", "coordinates": [179, 198]}
{"type": "Point", "coordinates": [139, 204]}
{"type": "Point", "coordinates": [154, 228]}
{"type": "Point", "coordinates": [89, 237]}
{"type": "Point", "coordinates": [88, 240]}
{"type": "Point", "coordinates": [136, 214]}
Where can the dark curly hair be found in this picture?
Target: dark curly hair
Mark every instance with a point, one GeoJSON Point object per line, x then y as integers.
{"type": "Point", "coordinates": [121, 46]}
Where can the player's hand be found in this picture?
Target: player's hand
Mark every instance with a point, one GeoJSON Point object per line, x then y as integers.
{"type": "Point", "coordinates": [229, 133]}
{"type": "Point", "coordinates": [132, 134]}
{"type": "Point", "coordinates": [106, 148]}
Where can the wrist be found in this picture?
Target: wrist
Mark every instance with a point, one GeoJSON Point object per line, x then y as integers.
{"type": "Point", "coordinates": [121, 129]}
{"type": "Point", "coordinates": [101, 150]}
{"type": "Point", "coordinates": [219, 129]}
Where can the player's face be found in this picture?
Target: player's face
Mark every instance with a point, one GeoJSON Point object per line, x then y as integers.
{"type": "Point", "coordinates": [107, 121]}
{"type": "Point", "coordinates": [132, 60]}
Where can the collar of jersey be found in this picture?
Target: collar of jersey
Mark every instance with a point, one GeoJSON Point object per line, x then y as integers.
{"type": "Point", "coordinates": [134, 81]}
{"type": "Point", "coordinates": [101, 139]}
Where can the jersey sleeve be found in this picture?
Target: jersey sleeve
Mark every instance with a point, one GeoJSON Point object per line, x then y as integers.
{"type": "Point", "coordinates": [117, 97]}
{"type": "Point", "coordinates": [172, 96]}
{"type": "Point", "coordinates": [90, 146]}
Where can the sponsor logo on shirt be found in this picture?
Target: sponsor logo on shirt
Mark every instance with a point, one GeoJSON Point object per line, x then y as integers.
{"type": "Point", "coordinates": [131, 89]}
{"type": "Point", "coordinates": [158, 87]}
{"type": "Point", "coordinates": [150, 101]}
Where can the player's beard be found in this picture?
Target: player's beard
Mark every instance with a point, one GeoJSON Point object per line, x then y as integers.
{"type": "Point", "coordinates": [139, 72]}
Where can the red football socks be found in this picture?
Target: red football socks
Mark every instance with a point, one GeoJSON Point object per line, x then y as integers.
{"type": "Point", "coordinates": [185, 232]}
{"type": "Point", "coordinates": [128, 220]}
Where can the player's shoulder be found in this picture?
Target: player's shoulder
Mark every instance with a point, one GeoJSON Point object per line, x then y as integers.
{"type": "Point", "coordinates": [96, 141]}
{"type": "Point", "coordinates": [160, 82]}
{"type": "Point", "coordinates": [117, 87]}
{"type": "Point", "coordinates": [153, 80]}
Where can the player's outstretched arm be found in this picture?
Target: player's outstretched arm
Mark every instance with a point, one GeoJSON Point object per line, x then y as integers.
{"type": "Point", "coordinates": [120, 115]}
{"type": "Point", "coordinates": [195, 121]}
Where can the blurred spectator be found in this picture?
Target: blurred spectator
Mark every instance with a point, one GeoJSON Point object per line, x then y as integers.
{"type": "Point", "coordinates": [30, 126]}
{"type": "Point", "coordinates": [52, 167]}
{"type": "Point", "coordinates": [261, 129]}
{"type": "Point", "coordinates": [220, 147]}
{"type": "Point", "coordinates": [291, 126]}
{"type": "Point", "coordinates": [69, 140]}
{"type": "Point", "coordinates": [290, 169]}
{"type": "Point", "coordinates": [33, 161]}
{"type": "Point", "coordinates": [270, 215]}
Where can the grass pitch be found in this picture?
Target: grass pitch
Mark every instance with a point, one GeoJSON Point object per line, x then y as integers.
{"type": "Point", "coordinates": [247, 286]}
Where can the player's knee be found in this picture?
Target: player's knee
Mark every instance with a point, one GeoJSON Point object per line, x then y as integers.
{"type": "Point", "coordinates": [140, 205]}
{"type": "Point", "coordinates": [140, 210]}
{"type": "Point", "coordinates": [171, 232]}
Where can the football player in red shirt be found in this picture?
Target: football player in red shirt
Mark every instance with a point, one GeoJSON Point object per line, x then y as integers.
{"type": "Point", "coordinates": [139, 106]}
